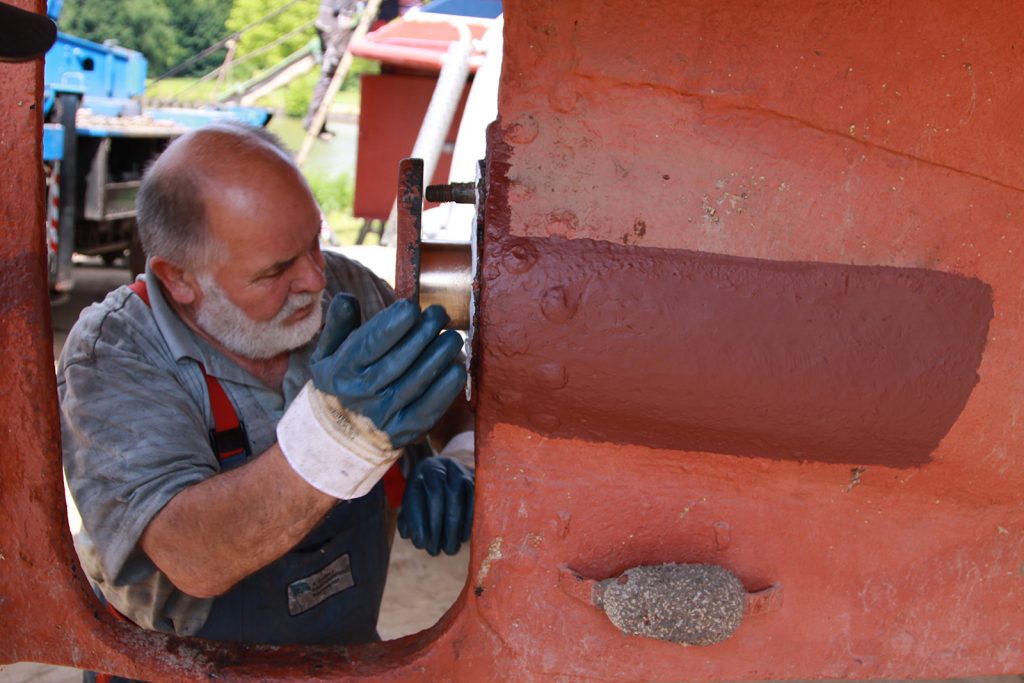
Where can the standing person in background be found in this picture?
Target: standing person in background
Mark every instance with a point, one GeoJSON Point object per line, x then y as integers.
{"type": "Point", "coordinates": [335, 22]}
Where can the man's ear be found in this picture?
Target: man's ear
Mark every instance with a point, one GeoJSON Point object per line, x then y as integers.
{"type": "Point", "coordinates": [179, 283]}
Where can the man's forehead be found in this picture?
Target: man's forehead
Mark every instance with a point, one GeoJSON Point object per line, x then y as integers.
{"type": "Point", "coordinates": [255, 199]}
{"type": "Point", "coordinates": [257, 179]}
{"type": "Point", "coordinates": [219, 149]}
{"type": "Point", "coordinates": [259, 218]}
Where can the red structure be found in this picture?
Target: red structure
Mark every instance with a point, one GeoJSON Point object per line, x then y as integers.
{"type": "Point", "coordinates": [749, 296]}
{"type": "Point", "coordinates": [394, 102]}
{"type": "Point", "coordinates": [392, 106]}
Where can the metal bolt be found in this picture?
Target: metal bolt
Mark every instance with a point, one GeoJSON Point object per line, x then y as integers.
{"type": "Point", "coordinates": [460, 193]}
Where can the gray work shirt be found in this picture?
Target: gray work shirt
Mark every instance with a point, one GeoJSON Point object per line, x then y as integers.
{"type": "Point", "coordinates": [135, 429]}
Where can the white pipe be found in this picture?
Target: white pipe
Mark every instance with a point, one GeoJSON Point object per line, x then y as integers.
{"type": "Point", "coordinates": [438, 119]}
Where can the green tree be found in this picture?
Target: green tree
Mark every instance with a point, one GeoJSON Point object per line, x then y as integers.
{"type": "Point", "coordinates": [200, 24]}
{"type": "Point", "coordinates": [295, 15]}
{"type": "Point", "coordinates": [143, 25]}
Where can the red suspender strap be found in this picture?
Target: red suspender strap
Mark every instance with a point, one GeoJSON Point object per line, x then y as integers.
{"type": "Point", "coordinates": [394, 486]}
{"type": "Point", "coordinates": [228, 435]}
{"type": "Point", "coordinates": [139, 287]}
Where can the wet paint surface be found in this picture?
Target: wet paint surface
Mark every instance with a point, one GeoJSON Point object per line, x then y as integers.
{"type": "Point", "coordinates": [701, 352]}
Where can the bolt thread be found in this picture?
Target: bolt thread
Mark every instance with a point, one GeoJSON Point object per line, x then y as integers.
{"type": "Point", "coordinates": [459, 193]}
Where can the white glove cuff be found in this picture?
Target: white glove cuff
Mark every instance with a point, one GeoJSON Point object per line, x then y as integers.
{"type": "Point", "coordinates": [337, 451]}
{"type": "Point", "coordinates": [461, 448]}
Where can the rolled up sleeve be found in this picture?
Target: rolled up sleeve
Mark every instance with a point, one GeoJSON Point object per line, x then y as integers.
{"type": "Point", "coordinates": [133, 439]}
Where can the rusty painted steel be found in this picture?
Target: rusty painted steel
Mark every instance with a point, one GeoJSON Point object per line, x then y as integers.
{"type": "Point", "coordinates": [645, 158]}
{"type": "Point", "coordinates": [793, 140]}
{"type": "Point", "coordinates": [409, 229]}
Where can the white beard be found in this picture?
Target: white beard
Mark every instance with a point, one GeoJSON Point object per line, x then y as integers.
{"type": "Point", "coordinates": [238, 333]}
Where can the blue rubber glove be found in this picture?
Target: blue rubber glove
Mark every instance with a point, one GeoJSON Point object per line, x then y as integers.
{"type": "Point", "coordinates": [437, 509]}
{"type": "Point", "coordinates": [397, 369]}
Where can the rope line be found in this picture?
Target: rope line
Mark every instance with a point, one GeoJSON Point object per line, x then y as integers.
{"type": "Point", "coordinates": [223, 41]}
{"type": "Point", "coordinates": [246, 57]}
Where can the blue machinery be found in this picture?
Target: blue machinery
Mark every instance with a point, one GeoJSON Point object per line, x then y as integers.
{"type": "Point", "coordinates": [97, 139]}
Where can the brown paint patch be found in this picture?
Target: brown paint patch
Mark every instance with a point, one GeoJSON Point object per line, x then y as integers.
{"type": "Point", "coordinates": [692, 351]}
{"type": "Point", "coordinates": [637, 234]}
{"type": "Point", "coordinates": [562, 223]}
{"type": "Point", "coordinates": [524, 130]}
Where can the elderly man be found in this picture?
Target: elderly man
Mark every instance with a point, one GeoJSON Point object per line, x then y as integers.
{"type": "Point", "coordinates": [226, 447]}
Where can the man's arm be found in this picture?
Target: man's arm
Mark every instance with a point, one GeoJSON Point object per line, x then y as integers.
{"type": "Point", "coordinates": [374, 390]}
{"type": "Point", "coordinates": [213, 534]}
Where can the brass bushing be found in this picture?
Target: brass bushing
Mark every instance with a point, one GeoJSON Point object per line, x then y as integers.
{"type": "Point", "coordinates": [446, 278]}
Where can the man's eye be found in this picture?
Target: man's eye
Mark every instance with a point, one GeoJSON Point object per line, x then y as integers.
{"type": "Point", "coordinates": [273, 273]}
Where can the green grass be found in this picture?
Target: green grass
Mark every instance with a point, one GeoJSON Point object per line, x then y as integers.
{"type": "Point", "coordinates": [182, 89]}
{"type": "Point", "coordinates": [334, 193]}
{"type": "Point", "coordinates": [346, 227]}
{"type": "Point", "coordinates": [293, 98]}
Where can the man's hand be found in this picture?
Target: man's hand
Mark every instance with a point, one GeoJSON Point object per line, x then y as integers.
{"type": "Point", "coordinates": [375, 389]}
{"type": "Point", "coordinates": [396, 369]}
{"type": "Point", "coordinates": [437, 509]}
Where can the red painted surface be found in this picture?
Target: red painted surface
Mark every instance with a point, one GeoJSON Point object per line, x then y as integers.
{"type": "Point", "coordinates": [392, 107]}
{"type": "Point", "coordinates": [699, 352]}
{"type": "Point", "coordinates": [848, 137]}
{"type": "Point", "coordinates": [419, 44]}
{"type": "Point", "coordinates": [853, 136]}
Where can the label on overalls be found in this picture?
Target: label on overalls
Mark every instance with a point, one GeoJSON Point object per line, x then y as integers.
{"type": "Point", "coordinates": [309, 592]}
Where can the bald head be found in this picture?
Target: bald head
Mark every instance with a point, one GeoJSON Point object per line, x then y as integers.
{"type": "Point", "coordinates": [218, 159]}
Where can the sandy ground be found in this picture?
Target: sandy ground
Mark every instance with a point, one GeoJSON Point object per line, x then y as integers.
{"type": "Point", "coordinates": [420, 588]}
